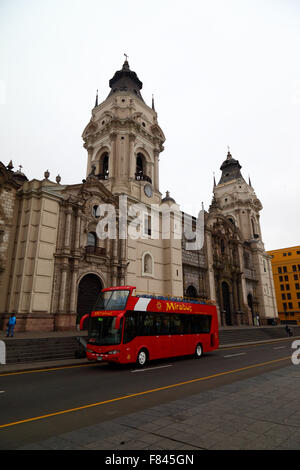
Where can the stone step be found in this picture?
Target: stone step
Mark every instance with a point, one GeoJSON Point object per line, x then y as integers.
{"type": "Point", "coordinates": [42, 349]}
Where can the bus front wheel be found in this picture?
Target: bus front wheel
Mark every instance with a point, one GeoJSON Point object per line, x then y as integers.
{"type": "Point", "coordinates": [142, 358]}
{"type": "Point", "coordinates": [198, 351]}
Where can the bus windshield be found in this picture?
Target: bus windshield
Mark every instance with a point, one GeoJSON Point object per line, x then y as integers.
{"type": "Point", "coordinates": [112, 300]}
{"type": "Point", "coordinates": [102, 331]}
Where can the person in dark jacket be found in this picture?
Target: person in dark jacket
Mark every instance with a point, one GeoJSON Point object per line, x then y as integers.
{"type": "Point", "coordinates": [11, 325]}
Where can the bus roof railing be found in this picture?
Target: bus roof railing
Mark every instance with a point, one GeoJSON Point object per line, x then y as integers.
{"type": "Point", "coordinates": [177, 299]}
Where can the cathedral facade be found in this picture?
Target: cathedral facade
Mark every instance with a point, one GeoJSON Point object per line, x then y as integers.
{"type": "Point", "coordinates": [61, 244]}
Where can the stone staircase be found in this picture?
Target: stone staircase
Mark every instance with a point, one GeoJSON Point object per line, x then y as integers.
{"type": "Point", "coordinates": [43, 349]}
{"type": "Point", "coordinates": [248, 334]}
{"type": "Point", "coordinates": [19, 350]}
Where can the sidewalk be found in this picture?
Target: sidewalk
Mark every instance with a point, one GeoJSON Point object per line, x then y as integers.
{"type": "Point", "coordinates": [250, 414]}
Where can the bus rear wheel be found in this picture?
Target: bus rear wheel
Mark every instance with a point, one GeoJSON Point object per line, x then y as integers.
{"type": "Point", "coordinates": [198, 351]}
{"type": "Point", "coordinates": [142, 358]}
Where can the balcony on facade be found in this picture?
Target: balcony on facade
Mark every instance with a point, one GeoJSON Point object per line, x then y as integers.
{"type": "Point", "coordinates": [139, 176]}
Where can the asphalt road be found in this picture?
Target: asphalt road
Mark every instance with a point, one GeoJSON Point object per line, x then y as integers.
{"type": "Point", "coordinates": [39, 404]}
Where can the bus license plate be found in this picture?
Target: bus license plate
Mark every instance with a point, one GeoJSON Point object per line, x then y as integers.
{"type": "Point", "coordinates": [99, 358]}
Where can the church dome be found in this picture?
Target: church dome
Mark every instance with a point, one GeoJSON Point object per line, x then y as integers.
{"type": "Point", "coordinates": [126, 80]}
{"type": "Point", "coordinates": [230, 169]}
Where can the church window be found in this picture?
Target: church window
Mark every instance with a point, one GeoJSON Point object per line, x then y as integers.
{"type": "Point", "coordinates": [247, 260]}
{"type": "Point", "coordinates": [92, 239]}
{"type": "Point", "coordinates": [191, 292]}
{"type": "Point", "coordinates": [105, 161]}
{"type": "Point", "coordinates": [96, 211]}
{"type": "Point", "coordinates": [147, 224]}
{"type": "Point", "coordinates": [222, 246]}
{"type": "Point", "coordinates": [139, 165]}
{"type": "Point", "coordinates": [147, 264]}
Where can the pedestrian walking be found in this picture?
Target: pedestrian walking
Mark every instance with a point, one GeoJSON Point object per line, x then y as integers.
{"type": "Point", "coordinates": [11, 325]}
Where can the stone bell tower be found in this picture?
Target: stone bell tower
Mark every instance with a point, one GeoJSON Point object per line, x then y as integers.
{"type": "Point", "coordinates": [124, 140]}
{"type": "Point", "coordinates": [235, 199]}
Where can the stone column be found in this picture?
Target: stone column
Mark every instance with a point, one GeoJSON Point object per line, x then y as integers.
{"type": "Point", "coordinates": [113, 171]}
{"type": "Point", "coordinates": [77, 229]}
{"type": "Point", "coordinates": [68, 213]}
{"type": "Point", "coordinates": [156, 170]}
{"type": "Point", "coordinates": [73, 296]}
{"type": "Point", "coordinates": [63, 285]}
{"type": "Point", "coordinates": [131, 166]}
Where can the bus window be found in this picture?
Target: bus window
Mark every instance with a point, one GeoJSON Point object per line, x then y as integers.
{"type": "Point", "coordinates": [112, 300]}
{"type": "Point", "coordinates": [102, 330]}
{"type": "Point", "coordinates": [165, 325]}
{"type": "Point", "coordinates": [129, 327]}
{"type": "Point", "coordinates": [147, 327]}
{"type": "Point", "coordinates": [201, 324]}
{"type": "Point", "coordinates": [176, 326]}
{"type": "Point", "coordinates": [187, 324]}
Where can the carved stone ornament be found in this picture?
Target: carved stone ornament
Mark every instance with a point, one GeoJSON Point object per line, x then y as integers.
{"type": "Point", "coordinates": [94, 201]}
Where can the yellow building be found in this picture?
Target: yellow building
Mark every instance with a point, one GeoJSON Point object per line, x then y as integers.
{"type": "Point", "coordinates": [286, 273]}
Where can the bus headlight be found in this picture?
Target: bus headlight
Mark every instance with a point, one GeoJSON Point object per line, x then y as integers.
{"type": "Point", "coordinates": [113, 352]}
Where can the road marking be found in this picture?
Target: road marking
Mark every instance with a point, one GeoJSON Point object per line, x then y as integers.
{"type": "Point", "coordinates": [151, 368]}
{"type": "Point", "coordinates": [233, 355]}
{"type": "Point", "coordinates": [50, 369]}
{"type": "Point", "coordinates": [90, 364]}
{"type": "Point", "coordinates": [280, 347]}
{"type": "Point", "coordinates": [133, 395]}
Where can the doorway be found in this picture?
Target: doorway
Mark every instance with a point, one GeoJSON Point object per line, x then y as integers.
{"type": "Point", "coordinates": [226, 303]}
{"type": "Point", "coordinates": [89, 288]}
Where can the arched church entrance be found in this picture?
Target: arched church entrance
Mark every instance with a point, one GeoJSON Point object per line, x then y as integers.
{"type": "Point", "coordinates": [89, 288]}
{"type": "Point", "coordinates": [226, 303]}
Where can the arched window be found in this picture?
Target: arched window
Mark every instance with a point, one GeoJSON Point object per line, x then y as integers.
{"type": "Point", "coordinates": [147, 265]}
{"type": "Point", "coordinates": [103, 168]}
{"type": "Point", "coordinates": [140, 171]}
{"type": "Point", "coordinates": [254, 228]}
{"type": "Point", "coordinates": [191, 292]}
{"type": "Point", "coordinates": [140, 166]}
{"type": "Point", "coordinates": [92, 239]}
{"type": "Point", "coordinates": [96, 211]}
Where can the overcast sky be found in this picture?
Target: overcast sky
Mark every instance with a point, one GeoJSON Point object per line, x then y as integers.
{"type": "Point", "coordinates": [222, 73]}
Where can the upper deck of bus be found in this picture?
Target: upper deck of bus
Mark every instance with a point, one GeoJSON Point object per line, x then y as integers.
{"type": "Point", "coordinates": [156, 303]}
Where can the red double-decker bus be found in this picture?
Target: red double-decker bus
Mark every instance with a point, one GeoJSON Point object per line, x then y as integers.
{"type": "Point", "coordinates": [125, 328]}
